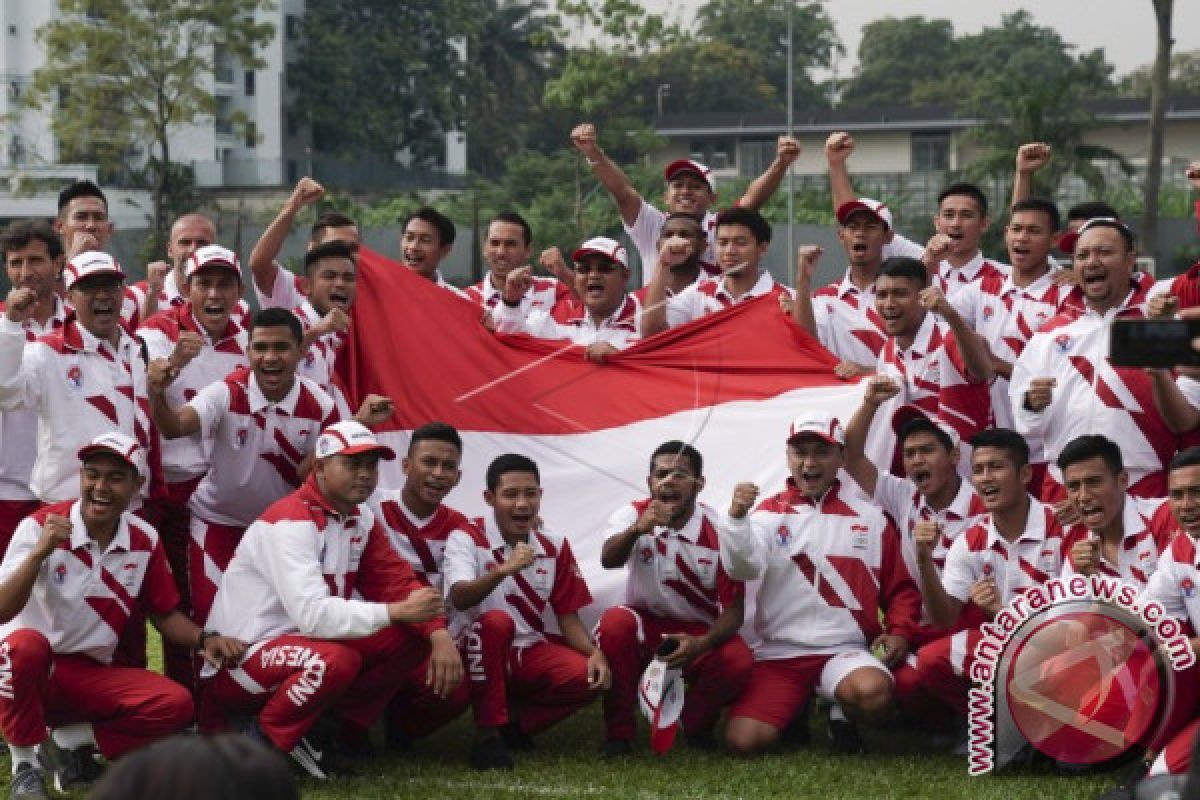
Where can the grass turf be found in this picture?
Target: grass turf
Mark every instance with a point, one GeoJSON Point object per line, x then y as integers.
{"type": "Point", "coordinates": [566, 764]}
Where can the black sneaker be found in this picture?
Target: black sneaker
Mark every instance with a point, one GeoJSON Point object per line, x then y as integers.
{"type": "Point", "coordinates": [844, 738]}
{"type": "Point", "coordinates": [704, 740]}
{"type": "Point", "coordinates": [27, 784]}
{"type": "Point", "coordinates": [72, 769]}
{"type": "Point", "coordinates": [516, 739]}
{"type": "Point", "coordinates": [796, 733]}
{"type": "Point", "coordinates": [616, 748]}
{"type": "Point", "coordinates": [490, 753]}
{"type": "Point", "coordinates": [308, 759]}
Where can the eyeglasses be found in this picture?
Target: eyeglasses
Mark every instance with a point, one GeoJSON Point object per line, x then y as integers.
{"type": "Point", "coordinates": [599, 267]}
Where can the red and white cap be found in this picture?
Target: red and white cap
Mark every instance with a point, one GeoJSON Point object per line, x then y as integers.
{"type": "Point", "coordinates": [348, 438]}
{"type": "Point", "coordinates": [875, 208]}
{"type": "Point", "coordinates": [820, 424]}
{"type": "Point", "coordinates": [660, 695]}
{"type": "Point", "coordinates": [123, 447]}
{"type": "Point", "coordinates": [212, 256]}
{"type": "Point", "coordinates": [1067, 241]}
{"type": "Point", "coordinates": [602, 246]}
{"type": "Point", "coordinates": [907, 413]}
{"type": "Point", "coordinates": [85, 265]}
{"type": "Point", "coordinates": [687, 165]}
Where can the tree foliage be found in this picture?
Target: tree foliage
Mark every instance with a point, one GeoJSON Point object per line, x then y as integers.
{"type": "Point", "coordinates": [123, 76]}
{"type": "Point", "coordinates": [897, 58]}
{"type": "Point", "coordinates": [1184, 77]}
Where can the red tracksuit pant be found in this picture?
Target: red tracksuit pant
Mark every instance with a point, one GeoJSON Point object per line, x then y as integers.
{"type": "Point", "coordinates": [210, 549]}
{"type": "Point", "coordinates": [172, 520]}
{"type": "Point", "coordinates": [290, 681]}
{"type": "Point", "coordinates": [629, 638]}
{"type": "Point", "coordinates": [128, 707]}
{"type": "Point", "coordinates": [543, 683]}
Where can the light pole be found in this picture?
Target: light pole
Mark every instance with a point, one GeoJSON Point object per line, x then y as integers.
{"type": "Point", "coordinates": [664, 89]}
{"type": "Point", "coordinates": [791, 182]}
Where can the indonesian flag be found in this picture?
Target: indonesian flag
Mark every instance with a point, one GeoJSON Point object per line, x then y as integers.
{"type": "Point", "coordinates": [729, 384]}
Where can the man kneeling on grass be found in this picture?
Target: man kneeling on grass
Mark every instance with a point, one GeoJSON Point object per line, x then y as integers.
{"type": "Point", "coordinates": [74, 575]}
{"type": "Point", "coordinates": [517, 591]}
{"type": "Point", "coordinates": [337, 620]}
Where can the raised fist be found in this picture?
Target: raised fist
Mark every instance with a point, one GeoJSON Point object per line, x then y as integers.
{"type": "Point", "coordinates": [584, 138]}
{"type": "Point", "coordinates": [744, 497]}
{"type": "Point", "coordinates": [18, 306]}
{"type": "Point", "coordinates": [1032, 156]}
{"type": "Point", "coordinates": [838, 147]}
{"type": "Point", "coordinates": [306, 193]}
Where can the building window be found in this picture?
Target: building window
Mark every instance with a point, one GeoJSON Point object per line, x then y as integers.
{"type": "Point", "coordinates": [930, 152]}
{"type": "Point", "coordinates": [251, 134]}
{"type": "Point", "coordinates": [12, 30]}
{"type": "Point", "coordinates": [291, 27]}
{"type": "Point", "coordinates": [222, 65]}
{"type": "Point", "coordinates": [249, 83]}
{"type": "Point", "coordinates": [224, 115]}
{"type": "Point", "coordinates": [755, 157]}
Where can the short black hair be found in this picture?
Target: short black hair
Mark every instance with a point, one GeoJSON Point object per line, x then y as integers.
{"type": "Point", "coordinates": [678, 448]}
{"type": "Point", "coordinates": [1121, 228]}
{"type": "Point", "coordinates": [440, 222]}
{"type": "Point", "coordinates": [19, 234]}
{"type": "Point", "coordinates": [1185, 458]}
{"type": "Point", "coordinates": [84, 188]}
{"type": "Point", "coordinates": [1089, 446]}
{"type": "Point", "coordinates": [749, 218]}
{"type": "Point", "coordinates": [335, 248]}
{"type": "Point", "coordinates": [510, 462]}
{"type": "Point", "coordinates": [513, 218]}
{"type": "Point", "coordinates": [1091, 209]}
{"type": "Point", "coordinates": [1004, 439]}
{"type": "Point", "coordinates": [924, 424]}
{"type": "Point", "coordinates": [435, 432]}
{"type": "Point", "coordinates": [278, 318]}
{"type": "Point", "coordinates": [904, 267]}
{"type": "Point", "coordinates": [329, 219]}
{"type": "Point", "coordinates": [1040, 204]}
{"type": "Point", "coordinates": [968, 189]}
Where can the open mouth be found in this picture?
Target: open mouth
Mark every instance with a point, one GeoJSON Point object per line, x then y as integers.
{"type": "Point", "coordinates": [1094, 278]}
{"type": "Point", "coordinates": [1020, 250]}
{"type": "Point", "coordinates": [522, 520]}
{"type": "Point", "coordinates": [339, 299]}
{"type": "Point", "coordinates": [595, 288]}
{"type": "Point", "coordinates": [100, 503]}
{"type": "Point", "coordinates": [414, 258]}
{"type": "Point", "coordinates": [920, 477]}
{"type": "Point", "coordinates": [990, 495]}
{"type": "Point", "coordinates": [1092, 514]}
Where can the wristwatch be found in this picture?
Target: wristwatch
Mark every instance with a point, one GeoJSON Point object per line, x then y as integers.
{"type": "Point", "coordinates": [205, 636]}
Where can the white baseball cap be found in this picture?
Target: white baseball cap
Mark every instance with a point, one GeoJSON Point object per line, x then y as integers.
{"type": "Point", "coordinates": [820, 424]}
{"type": "Point", "coordinates": [687, 165]}
{"type": "Point", "coordinates": [602, 246]}
{"type": "Point", "coordinates": [907, 413]}
{"type": "Point", "coordinates": [123, 447]}
{"type": "Point", "coordinates": [212, 256]}
{"type": "Point", "coordinates": [875, 208]}
{"type": "Point", "coordinates": [349, 438]}
{"type": "Point", "coordinates": [660, 694]}
{"type": "Point", "coordinates": [85, 265]}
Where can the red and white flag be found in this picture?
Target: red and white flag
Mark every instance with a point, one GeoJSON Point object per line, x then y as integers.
{"type": "Point", "coordinates": [729, 384]}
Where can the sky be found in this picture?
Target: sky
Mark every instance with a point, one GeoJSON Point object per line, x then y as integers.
{"type": "Point", "coordinates": [1123, 28]}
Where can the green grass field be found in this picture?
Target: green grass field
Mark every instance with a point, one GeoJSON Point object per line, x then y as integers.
{"type": "Point", "coordinates": [566, 764]}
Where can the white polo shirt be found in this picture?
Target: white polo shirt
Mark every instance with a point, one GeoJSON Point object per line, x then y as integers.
{"type": "Point", "coordinates": [710, 295]}
{"type": "Point", "coordinates": [1148, 527]}
{"type": "Point", "coordinates": [827, 568]}
{"type": "Point", "coordinates": [981, 552]}
{"type": "Point", "coordinates": [19, 427]}
{"type": "Point", "coordinates": [676, 574]}
{"type": "Point", "coordinates": [286, 291]}
{"type": "Point", "coordinates": [620, 329]}
{"type": "Point", "coordinates": [257, 445]}
{"type": "Point", "coordinates": [646, 230]}
{"type": "Point", "coordinates": [80, 387]}
{"type": "Point", "coordinates": [533, 598]}
{"type": "Point", "coordinates": [848, 325]}
{"type": "Point", "coordinates": [544, 294]}
{"type": "Point", "coordinates": [1174, 585]}
{"type": "Point", "coordinates": [420, 542]}
{"type": "Point", "coordinates": [83, 597]}
{"type": "Point", "coordinates": [188, 457]}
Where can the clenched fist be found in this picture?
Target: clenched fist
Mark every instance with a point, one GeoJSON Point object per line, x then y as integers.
{"type": "Point", "coordinates": [838, 147]}
{"type": "Point", "coordinates": [521, 557]}
{"type": "Point", "coordinates": [18, 306]}
{"type": "Point", "coordinates": [744, 497]}
{"type": "Point", "coordinates": [1032, 156]}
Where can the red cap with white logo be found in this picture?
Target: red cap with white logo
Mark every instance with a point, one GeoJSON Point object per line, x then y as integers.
{"type": "Point", "coordinates": [349, 438]}
{"type": "Point", "coordinates": [123, 447]}
{"type": "Point", "coordinates": [875, 208]}
{"type": "Point", "coordinates": [695, 167]}
{"type": "Point", "coordinates": [85, 265]}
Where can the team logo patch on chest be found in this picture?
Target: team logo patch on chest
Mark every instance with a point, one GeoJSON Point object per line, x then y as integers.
{"type": "Point", "coordinates": [783, 535]}
{"type": "Point", "coordinates": [988, 312]}
{"type": "Point", "coordinates": [858, 536]}
{"type": "Point", "coordinates": [239, 438]}
{"type": "Point", "coordinates": [1062, 342]}
{"type": "Point", "coordinates": [646, 555]}
{"type": "Point", "coordinates": [1188, 588]}
{"type": "Point", "coordinates": [75, 377]}
{"type": "Point", "coordinates": [60, 574]}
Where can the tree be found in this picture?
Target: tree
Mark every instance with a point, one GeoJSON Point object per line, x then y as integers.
{"type": "Point", "coordinates": [1184, 80]}
{"type": "Point", "coordinates": [759, 27]}
{"type": "Point", "coordinates": [510, 57]}
{"type": "Point", "coordinates": [897, 57]}
{"type": "Point", "coordinates": [123, 73]}
{"type": "Point", "coordinates": [378, 77]}
{"type": "Point", "coordinates": [1158, 112]}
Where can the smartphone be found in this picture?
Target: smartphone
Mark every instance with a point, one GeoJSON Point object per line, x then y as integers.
{"type": "Point", "coordinates": [1161, 343]}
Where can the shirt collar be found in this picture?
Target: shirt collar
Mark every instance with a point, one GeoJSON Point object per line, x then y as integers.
{"type": "Point", "coordinates": [316, 500]}
{"type": "Point", "coordinates": [1035, 526]}
{"type": "Point", "coordinates": [923, 343]}
{"type": "Point", "coordinates": [795, 497]}
{"type": "Point", "coordinates": [847, 286]}
{"type": "Point", "coordinates": [259, 401]}
{"type": "Point", "coordinates": [81, 540]}
{"type": "Point", "coordinates": [762, 286]}
{"type": "Point", "coordinates": [78, 338]}
{"type": "Point", "coordinates": [960, 506]}
{"type": "Point", "coordinates": [967, 272]}
{"type": "Point", "coordinates": [621, 319]}
{"type": "Point", "coordinates": [187, 320]}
